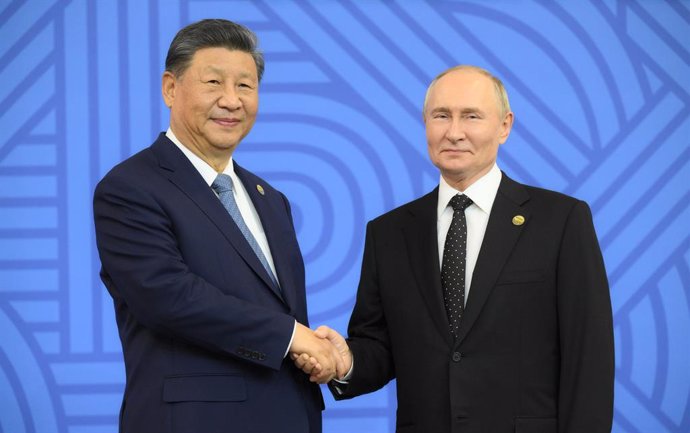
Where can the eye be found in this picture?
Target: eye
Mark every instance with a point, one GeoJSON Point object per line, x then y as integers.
{"type": "Point", "coordinates": [214, 82]}
{"type": "Point", "coordinates": [440, 116]}
{"type": "Point", "coordinates": [245, 85]}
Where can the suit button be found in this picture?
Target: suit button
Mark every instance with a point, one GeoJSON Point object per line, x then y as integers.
{"type": "Point", "coordinates": [457, 356]}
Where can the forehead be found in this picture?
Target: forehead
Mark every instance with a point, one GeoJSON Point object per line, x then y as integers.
{"type": "Point", "coordinates": [223, 59]}
{"type": "Point", "coordinates": [462, 88]}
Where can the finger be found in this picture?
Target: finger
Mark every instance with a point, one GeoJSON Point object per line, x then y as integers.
{"type": "Point", "coordinates": [299, 363]}
{"type": "Point", "coordinates": [301, 360]}
{"type": "Point", "coordinates": [323, 378]}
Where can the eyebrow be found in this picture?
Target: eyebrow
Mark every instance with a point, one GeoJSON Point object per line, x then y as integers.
{"type": "Point", "coordinates": [440, 110]}
{"type": "Point", "coordinates": [221, 71]}
{"type": "Point", "coordinates": [471, 110]}
{"type": "Point", "coordinates": [465, 110]}
{"type": "Point", "coordinates": [213, 69]}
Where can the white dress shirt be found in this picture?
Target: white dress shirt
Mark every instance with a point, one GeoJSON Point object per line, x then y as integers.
{"type": "Point", "coordinates": [483, 193]}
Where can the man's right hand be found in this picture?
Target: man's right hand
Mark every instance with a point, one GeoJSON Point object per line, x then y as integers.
{"type": "Point", "coordinates": [309, 365]}
{"type": "Point", "coordinates": [316, 355]}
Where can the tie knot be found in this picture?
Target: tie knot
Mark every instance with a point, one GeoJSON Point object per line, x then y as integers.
{"type": "Point", "coordinates": [223, 183]}
{"type": "Point", "coordinates": [460, 202]}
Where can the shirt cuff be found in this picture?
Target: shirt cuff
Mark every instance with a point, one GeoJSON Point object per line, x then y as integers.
{"type": "Point", "coordinates": [346, 379]}
{"type": "Point", "coordinates": [294, 329]}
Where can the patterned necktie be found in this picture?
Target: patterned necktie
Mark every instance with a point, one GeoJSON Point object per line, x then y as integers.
{"type": "Point", "coordinates": [223, 187]}
{"type": "Point", "coordinates": [453, 267]}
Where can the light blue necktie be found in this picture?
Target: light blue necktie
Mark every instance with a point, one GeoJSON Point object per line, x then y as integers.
{"type": "Point", "coordinates": [223, 187]}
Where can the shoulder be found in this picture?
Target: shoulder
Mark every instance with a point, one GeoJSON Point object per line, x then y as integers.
{"type": "Point", "coordinates": [537, 197]}
{"type": "Point", "coordinates": [551, 208]}
{"type": "Point", "coordinates": [423, 207]}
{"type": "Point", "coordinates": [551, 197]}
{"type": "Point", "coordinates": [141, 171]}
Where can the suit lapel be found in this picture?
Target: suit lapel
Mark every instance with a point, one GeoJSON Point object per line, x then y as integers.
{"type": "Point", "coordinates": [184, 176]}
{"type": "Point", "coordinates": [499, 240]}
{"type": "Point", "coordinates": [422, 242]}
{"type": "Point", "coordinates": [270, 219]}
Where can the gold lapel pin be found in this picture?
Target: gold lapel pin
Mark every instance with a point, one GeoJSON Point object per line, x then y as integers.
{"type": "Point", "coordinates": [260, 189]}
{"type": "Point", "coordinates": [518, 220]}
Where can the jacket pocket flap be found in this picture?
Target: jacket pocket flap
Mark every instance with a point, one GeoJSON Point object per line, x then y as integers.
{"type": "Point", "coordinates": [204, 388]}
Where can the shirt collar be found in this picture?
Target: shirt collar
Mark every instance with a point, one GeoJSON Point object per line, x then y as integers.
{"type": "Point", "coordinates": [206, 171]}
{"type": "Point", "coordinates": [482, 192]}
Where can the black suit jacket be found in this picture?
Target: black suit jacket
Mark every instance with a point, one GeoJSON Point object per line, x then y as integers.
{"type": "Point", "coordinates": [203, 334]}
{"type": "Point", "coordinates": [535, 346]}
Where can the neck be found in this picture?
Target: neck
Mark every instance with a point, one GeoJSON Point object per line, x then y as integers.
{"type": "Point", "coordinates": [461, 182]}
{"type": "Point", "coordinates": [218, 163]}
{"type": "Point", "coordinates": [217, 159]}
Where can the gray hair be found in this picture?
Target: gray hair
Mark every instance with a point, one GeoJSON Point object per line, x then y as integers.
{"type": "Point", "coordinates": [499, 88]}
{"type": "Point", "coordinates": [211, 33]}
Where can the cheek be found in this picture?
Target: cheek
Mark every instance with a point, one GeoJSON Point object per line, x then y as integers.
{"type": "Point", "coordinates": [488, 149]}
{"type": "Point", "coordinates": [433, 137]}
{"type": "Point", "coordinates": [250, 103]}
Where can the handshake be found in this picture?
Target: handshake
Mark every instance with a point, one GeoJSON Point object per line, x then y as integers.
{"type": "Point", "coordinates": [322, 354]}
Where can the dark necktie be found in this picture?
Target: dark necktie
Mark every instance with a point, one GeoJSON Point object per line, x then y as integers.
{"type": "Point", "coordinates": [453, 267]}
{"type": "Point", "coordinates": [223, 187]}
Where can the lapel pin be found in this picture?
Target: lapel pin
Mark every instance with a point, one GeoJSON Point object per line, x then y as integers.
{"type": "Point", "coordinates": [518, 220]}
{"type": "Point", "coordinates": [260, 189]}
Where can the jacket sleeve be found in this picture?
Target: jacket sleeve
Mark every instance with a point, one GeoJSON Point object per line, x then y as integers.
{"type": "Point", "coordinates": [368, 332]}
{"type": "Point", "coordinates": [585, 402]}
{"type": "Point", "coordinates": [145, 272]}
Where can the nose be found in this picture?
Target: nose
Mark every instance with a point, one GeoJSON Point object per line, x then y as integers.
{"type": "Point", "coordinates": [455, 131]}
{"type": "Point", "coordinates": [229, 99]}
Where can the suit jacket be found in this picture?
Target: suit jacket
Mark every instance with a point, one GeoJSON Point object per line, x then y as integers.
{"type": "Point", "coordinates": [203, 334]}
{"type": "Point", "coordinates": [535, 346]}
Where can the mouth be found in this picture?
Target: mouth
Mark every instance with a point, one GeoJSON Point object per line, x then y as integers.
{"type": "Point", "coordinates": [455, 151]}
{"type": "Point", "coordinates": [226, 121]}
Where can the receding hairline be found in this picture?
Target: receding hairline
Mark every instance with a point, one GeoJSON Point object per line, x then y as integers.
{"type": "Point", "coordinates": [499, 88]}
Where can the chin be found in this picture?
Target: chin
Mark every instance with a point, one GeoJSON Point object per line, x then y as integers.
{"type": "Point", "coordinates": [225, 141]}
{"type": "Point", "coordinates": [455, 169]}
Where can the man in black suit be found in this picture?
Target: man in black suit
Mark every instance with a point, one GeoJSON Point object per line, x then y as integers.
{"type": "Point", "coordinates": [201, 259]}
{"type": "Point", "coordinates": [486, 299]}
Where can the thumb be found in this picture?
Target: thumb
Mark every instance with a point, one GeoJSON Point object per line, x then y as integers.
{"type": "Point", "coordinates": [323, 331]}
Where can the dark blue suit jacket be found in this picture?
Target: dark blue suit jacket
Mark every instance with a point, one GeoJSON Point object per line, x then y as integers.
{"type": "Point", "coordinates": [203, 333]}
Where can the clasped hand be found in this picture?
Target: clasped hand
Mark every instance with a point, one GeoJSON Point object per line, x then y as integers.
{"type": "Point", "coordinates": [322, 354]}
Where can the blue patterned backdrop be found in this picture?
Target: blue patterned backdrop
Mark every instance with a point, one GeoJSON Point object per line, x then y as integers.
{"type": "Point", "coordinates": [601, 92]}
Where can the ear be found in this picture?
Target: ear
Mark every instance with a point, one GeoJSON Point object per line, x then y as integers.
{"type": "Point", "coordinates": [168, 83]}
{"type": "Point", "coordinates": [506, 126]}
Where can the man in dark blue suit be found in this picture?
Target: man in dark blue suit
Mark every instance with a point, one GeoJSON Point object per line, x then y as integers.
{"type": "Point", "coordinates": [201, 259]}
